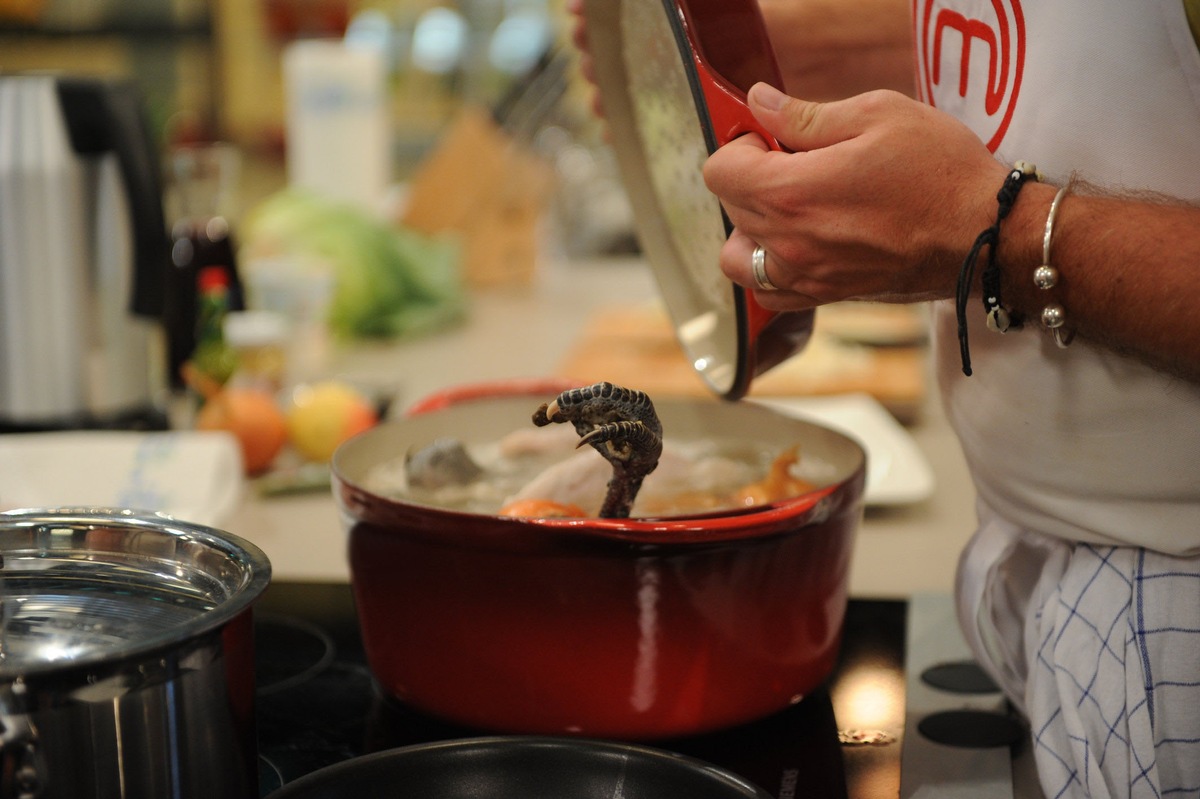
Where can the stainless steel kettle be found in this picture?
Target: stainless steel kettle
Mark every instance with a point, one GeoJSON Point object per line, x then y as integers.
{"type": "Point", "coordinates": [83, 256]}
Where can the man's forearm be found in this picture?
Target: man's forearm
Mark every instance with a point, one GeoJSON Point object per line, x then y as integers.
{"type": "Point", "coordinates": [1129, 272]}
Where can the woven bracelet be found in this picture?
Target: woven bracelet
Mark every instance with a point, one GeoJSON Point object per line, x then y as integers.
{"type": "Point", "coordinates": [999, 318]}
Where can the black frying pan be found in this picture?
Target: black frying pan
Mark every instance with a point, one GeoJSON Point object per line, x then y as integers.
{"type": "Point", "coordinates": [521, 767]}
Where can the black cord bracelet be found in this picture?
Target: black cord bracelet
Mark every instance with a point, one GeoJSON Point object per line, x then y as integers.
{"type": "Point", "coordinates": [999, 318]}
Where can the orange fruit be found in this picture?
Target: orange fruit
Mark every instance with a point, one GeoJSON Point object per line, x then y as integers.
{"type": "Point", "coordinates": [323, 415]}
{"type": "Point", "coordinates": [253, 417]}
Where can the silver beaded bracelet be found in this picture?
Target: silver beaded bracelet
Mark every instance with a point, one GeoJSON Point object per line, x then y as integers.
{"type": "Point", "coordinates": [1054, 317]}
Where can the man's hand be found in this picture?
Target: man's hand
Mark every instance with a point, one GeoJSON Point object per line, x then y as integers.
{"type": "Point", "coordinates": [879, 198]}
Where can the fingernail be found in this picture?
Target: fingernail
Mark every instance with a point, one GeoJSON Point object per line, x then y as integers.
{"type": "Point", "coordinates": [767, 96]}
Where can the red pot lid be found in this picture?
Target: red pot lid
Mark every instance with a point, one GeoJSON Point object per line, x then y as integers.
{"type": "Point", "coordinates": [673, 77]}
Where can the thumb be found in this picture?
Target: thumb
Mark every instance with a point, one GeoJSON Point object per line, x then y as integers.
{"type": "Point", "coordinates": [798, 125]}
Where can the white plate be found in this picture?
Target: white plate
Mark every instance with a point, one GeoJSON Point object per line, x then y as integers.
{"type": "Point", "coordinates": [897, 471]}
{"type": "Point", "coordinates": [194, 476]}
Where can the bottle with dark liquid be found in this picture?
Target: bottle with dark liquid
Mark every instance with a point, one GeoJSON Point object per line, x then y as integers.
{"type": "Point", "coordinates": [202, 178]}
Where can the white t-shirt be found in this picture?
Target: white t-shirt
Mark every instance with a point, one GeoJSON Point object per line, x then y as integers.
{"type": "Point", "coordinates": [1079, 443]}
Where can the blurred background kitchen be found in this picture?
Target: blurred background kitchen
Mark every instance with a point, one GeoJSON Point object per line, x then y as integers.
{"type": "Point", "coordinates": [440, 146]}
{"type": "Point", "coordinates": [215, 70]}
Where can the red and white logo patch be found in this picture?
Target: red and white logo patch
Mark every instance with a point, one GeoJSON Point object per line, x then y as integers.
{"type": "Point", "coordinates": [970, 59]}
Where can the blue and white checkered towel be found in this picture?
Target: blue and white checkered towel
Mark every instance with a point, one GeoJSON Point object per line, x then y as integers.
{"type": "Point", "coordinates": [1100, 648]}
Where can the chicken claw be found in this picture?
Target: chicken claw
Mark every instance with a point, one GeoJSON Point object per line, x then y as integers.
{"type": "Point", "coordinates": [620, 424]}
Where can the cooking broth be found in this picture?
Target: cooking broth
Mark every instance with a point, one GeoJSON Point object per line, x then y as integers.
{"type": "Point", "coordinates": [543, 463]}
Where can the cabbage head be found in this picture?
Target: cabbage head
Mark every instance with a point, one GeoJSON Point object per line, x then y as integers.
{"type": "Point", "coordinates": [388, 281]}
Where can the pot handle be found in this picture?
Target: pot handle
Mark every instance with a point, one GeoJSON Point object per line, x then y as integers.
{"type": "Point", "coordinates": [547, 387]}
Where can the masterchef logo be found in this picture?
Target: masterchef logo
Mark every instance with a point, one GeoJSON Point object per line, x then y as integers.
{"type": "Point", "coordinates": [970, 57]}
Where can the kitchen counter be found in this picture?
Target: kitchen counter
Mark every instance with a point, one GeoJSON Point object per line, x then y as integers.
{"type": "Point", "coordinates": [525, 331]}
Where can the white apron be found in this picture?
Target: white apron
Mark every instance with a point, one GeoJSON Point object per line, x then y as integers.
{"type": "Point", "coordinates": [1098, 642]}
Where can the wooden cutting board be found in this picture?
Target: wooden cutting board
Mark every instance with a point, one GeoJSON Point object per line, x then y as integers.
{"type": "Point", "coordinates": [856, 347]}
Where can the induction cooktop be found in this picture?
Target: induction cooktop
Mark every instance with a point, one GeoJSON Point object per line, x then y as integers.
{"type": "Point", "coordinates": [904, 712]}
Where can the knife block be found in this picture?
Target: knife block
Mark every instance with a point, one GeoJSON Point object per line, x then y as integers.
{"type": "Point", "coordinates": [486, 188]}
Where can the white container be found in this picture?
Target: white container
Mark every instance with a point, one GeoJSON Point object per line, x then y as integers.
{"type": "Point", "coordinates": [299, 289]}
{"type": "Point", "coordinates": [338, 140]}
{"type": "Point", "coordinates": [260, 339]}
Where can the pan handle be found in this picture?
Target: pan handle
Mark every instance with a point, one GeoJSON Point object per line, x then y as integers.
{"type": "Point", "coordinates": [730, 52]}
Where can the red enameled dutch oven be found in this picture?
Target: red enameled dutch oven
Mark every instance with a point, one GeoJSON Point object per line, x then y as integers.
{"type": "Point", "coordinates": [633, 628]}
{"type": "Point", "coordinates": [673, 77]}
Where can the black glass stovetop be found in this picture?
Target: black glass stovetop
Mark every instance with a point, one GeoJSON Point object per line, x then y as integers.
{"type": "Point", "coordinates": [318, 705]}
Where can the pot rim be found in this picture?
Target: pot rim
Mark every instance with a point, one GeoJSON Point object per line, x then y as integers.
{"type": "Point", "coordinates": [251, 559]}
{"type": "Point", "coordinates": [719, 526]}
{"type": "Point", "coordinates": [730, 525]}
{"type": "Point", "coordinates": [491, 389]}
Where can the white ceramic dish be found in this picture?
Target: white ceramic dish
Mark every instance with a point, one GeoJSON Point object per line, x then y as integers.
{"type": "Point", "coordinates": [191, 475]}
{"type": "Point", "coordinates": [897, 471]}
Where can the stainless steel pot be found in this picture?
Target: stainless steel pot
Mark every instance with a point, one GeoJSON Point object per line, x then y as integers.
{"type": "Point", "coordinates": [126, 657]}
